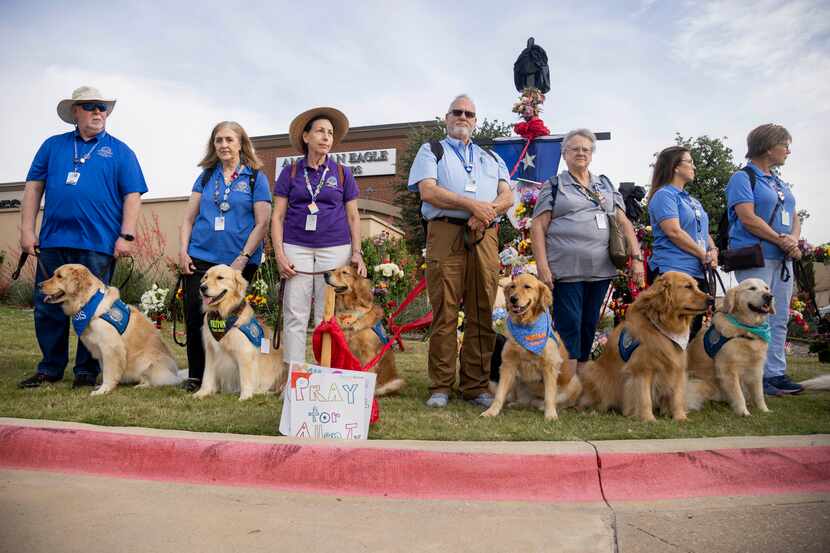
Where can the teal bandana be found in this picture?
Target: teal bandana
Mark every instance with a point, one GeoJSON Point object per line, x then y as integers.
{"type": "Point", "coordinates": [761, 331]}
{"type": "Point", "coordinates": [533, 337]}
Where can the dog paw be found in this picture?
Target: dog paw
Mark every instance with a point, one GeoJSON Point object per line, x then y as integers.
{"type": "Point", "coordinates": [201, 394]}
{"type": "Point", "coordinates": [490, 413]}
{"type": "Point", "coordinates": [143, 385]}
{"type": "Point", "coordinates": [742, 413]}
{"type": "Point", "coordinates": [245, 397]}
{"type": "Point", "coordinates": [100, 391]}
{"type": "Point", "coordinates": [552, 416]}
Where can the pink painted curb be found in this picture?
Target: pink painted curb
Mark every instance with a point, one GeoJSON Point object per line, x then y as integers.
{"type": "Point", "coordinates": [396, 473]}
{"type": "Point", "coordinates": [420, 474]}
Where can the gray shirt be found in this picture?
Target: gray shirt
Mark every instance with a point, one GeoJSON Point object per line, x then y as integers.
{"type": "Point", "coordinates": [577, 247]}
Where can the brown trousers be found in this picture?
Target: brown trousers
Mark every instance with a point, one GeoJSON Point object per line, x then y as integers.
{"type": "Point", "coordinates": [457, 272]}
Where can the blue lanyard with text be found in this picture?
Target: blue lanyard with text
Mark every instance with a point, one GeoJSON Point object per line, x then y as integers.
{"type": "Point", "coordinates": [83, 159]}
{"type": "Point", "coordinates": [467, 166]}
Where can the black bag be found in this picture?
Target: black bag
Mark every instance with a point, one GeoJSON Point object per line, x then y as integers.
{"type": "Point", "coordinates": [749, 257]}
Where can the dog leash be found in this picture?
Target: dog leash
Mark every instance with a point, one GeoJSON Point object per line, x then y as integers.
{"type": "Point", "coordinates": [712, 278]}
{"type": "Point", "coordinates": [276, 337]}
{"type": "Point", "coordinates": [24, 256]}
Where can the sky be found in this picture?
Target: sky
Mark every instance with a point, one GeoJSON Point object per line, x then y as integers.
{"type": "Point", "coordinates": [643, 70]}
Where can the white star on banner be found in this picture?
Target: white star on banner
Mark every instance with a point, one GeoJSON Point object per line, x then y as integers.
{"type": "Point", "coordinates": [528, 161]}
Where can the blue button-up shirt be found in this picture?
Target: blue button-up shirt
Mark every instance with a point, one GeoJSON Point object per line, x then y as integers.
{"type": "Point", "coordinates": [451, 174]}
{"type": "Point", "coordinates": [86, 215]}
{"type": "Point", "coordinates": [764, 198]}
{"type": "Point", "coordinates": [672, 203]}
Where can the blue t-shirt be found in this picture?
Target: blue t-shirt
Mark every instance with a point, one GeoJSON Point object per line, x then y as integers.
{"type": "Point", "coordinates": [450, 174]}
{"type": "Point", "coordinates": [86, 215]}
{"type": "Point", "coordinates": [672, 203]}
{"type": "Point", "coordinates": [223, 246]}
{"type": "Point", "coordinates": [764, 200]}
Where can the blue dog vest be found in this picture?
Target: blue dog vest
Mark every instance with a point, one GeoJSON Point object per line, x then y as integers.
{"type": "Point", "coordinates": [118, 315]}
{"type": "Point", "coordinates": [627, 344]}
{"type": "Point", "coordinates": [381, 334]}
{"type": "Point", "coordinates": [713, 341]}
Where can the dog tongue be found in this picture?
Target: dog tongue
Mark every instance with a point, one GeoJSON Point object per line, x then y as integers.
{"type": "Point", "coordinates": [206, 301]}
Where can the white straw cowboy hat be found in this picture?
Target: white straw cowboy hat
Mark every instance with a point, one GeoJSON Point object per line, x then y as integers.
{"type": "Point", "coordinates": [338, 120]}
{"type": "Point", "coordinates": [79, 96]}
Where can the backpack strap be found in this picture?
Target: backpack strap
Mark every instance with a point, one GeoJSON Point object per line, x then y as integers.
{"type": "Point", "coordinates": [437, 149]}
{"type": "Point", "coordinates": [293, 171]}
{"type": "Point", "coordinates": [341, 175]}
{"type": "Point", "coordinates": [205, 178]}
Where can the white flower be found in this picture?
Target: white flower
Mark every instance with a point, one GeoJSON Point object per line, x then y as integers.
{"type": "Point", "coordinates": [153, 300]}
{"type": "Point", "coordinates": [389, 270]}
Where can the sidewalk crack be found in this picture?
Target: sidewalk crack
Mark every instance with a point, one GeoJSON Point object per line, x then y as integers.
{"type": "Point", "coordinates": [604, 499]}
{"type": "Point", "coordinates": [658, 538]}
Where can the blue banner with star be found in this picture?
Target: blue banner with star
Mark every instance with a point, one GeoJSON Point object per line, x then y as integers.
{"type": "Point", "coordinates": [540, 162]}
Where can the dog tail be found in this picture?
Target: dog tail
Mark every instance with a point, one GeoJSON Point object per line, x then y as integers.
{"type": "Point", "coordinates": [697, 393]}
{"type": "Point", "coordinates": [818, 383]}
{"type": "Point", "coordinates": [390, 387]}
{"type": "Point", "coordinates": [568, 395]}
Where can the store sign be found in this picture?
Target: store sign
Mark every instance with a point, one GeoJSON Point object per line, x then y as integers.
{"type": "Point", "coordinates": [363, 163]}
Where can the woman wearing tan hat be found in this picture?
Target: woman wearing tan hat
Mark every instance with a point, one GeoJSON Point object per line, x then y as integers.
{"type": "Point", "coordinates": [315, 226]}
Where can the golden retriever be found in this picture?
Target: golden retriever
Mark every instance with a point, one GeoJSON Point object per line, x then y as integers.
{"type": "Point", "coordinates": [357, 314]}
{"type": "Point", "coordinates": [530, 375]}
{"type": "Point", "coordinates": [136, 356]}
{"type": "Point", "coordinates": [233, 363]}
{"type": "Point", "coordinates": [739, 364]}
{"type": "Point", "coordinates": [659, 319]}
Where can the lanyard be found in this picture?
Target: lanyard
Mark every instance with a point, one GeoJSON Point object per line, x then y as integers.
{"type": "Point", "coordinates": [698, 215]}
{"type": "Point", "coordinates": [224, 205]}
{"type": "Point", "coordinates": [778, 190]}
{"type": "Point", "coordinates": [75, 159]}
{"type": "Point", "coordinates": [591, 193]}
{"type": "Point", "coordinates": [316, 192]}
{"type": "Point", "coordinates": [467, 166]}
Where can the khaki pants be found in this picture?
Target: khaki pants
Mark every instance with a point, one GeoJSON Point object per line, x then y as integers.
{"type": "Point", "coordinates": [456, 273]}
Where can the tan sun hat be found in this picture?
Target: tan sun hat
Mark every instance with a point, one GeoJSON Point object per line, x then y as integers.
{"type": "Point", "coordinates": [79, 96]}
{"type": "Point", "coordinates": [338, 120]}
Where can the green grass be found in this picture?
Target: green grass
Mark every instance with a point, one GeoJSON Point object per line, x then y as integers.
{"type": "Point", "coordinates": [402, 417]}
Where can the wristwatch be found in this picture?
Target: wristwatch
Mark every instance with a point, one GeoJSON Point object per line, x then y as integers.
{"type": "Point", "coordinates": [637, 257]}
{"type": "Point", "coordinates": [127, 237]}
{"type": "Point", "coordinates": [245, 254]}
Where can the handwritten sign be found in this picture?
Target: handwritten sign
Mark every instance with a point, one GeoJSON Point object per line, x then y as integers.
{"type": "Point", "coordinates": [324, 403]}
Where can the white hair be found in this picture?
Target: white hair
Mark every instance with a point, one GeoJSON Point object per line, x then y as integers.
{"type": "Point", "coordinates": [460, 97]}
{"type": "Point", "coordinates": [584, 133]}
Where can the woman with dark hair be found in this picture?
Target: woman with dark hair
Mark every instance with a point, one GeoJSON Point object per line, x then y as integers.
{"type": "Point", "coordinates": [762, 211]}
{"type": "Point", "coordinates": [225, 222]}
{"type": "Point", "coordinates": [316, 225]}
{"type": "Point", "coordinates": [679, 223]}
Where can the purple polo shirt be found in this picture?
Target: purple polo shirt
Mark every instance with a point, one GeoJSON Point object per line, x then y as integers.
{"type": "Point", "coordinates": [332, 223]}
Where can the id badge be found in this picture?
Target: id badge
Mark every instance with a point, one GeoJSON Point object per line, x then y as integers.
{"type": "Point", "coordinates": [602, 221]}
{"type": "Point", "coordinates": [311, 223]}
{"type": "Point", "coordinates": [265, 345]}
{"type": "Point", "coordinates": [312, 208]}
{"type": "Point", "coordinates": [219, 223]}
{"type": "Point", "coordinates": [785, 218]}
{"type": "Point", "coordinates": [72, 177]}
{"type": "Point", "coordinates": [471, 186]}
{"type": "Point", "coordinates": [702, 244]}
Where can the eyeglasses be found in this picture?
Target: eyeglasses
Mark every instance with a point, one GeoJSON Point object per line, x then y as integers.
{"type": "Point", "coordinates": [464, 112]}
{"type": "Point", "coordinates": [689, 161]}
{"type": "Point", "coordinates": [579, 149]}
{"type": "Point", "coordinates": [92, 106]}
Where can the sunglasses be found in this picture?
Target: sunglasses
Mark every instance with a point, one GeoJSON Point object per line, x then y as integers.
{"type": "Point", "coordinates": [460, 112]}
{"type": "Point", "coordinates": [92, 106]}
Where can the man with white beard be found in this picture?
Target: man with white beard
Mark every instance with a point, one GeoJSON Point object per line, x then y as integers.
{"type": "Point", "coordinates": [464, 190]}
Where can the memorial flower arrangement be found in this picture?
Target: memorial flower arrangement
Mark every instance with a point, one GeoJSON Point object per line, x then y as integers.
{"type": "Point", "coordinates": [258, 298]}
{"type": "Point", "coordinates": [154, 305]}
{"type": "Point", "coordinates": [820, 254]}
{"type": "Point", "coordinates": [393, 270]}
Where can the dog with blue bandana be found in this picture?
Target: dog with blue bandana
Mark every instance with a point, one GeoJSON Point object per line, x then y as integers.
{"type": "Point", "coordinates": [533, 354]}
{"type": "Point", "coordinates": [124, 341]}
{"type": "Point", "coordinates": [726, 362]}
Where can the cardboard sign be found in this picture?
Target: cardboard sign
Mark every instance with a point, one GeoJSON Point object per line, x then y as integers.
{"type": "Point", "coordinates": [324, 403]}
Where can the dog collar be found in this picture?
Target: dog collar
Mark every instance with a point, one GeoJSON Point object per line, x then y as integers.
{"type": "Point", "coordinates": [762, 331]}
{"type": "Point", "coordinates": [680, 340]}
{"type": "Point", "coordinates": [534, 336]}
{"type": "Point", "coordinates": [82, 318]}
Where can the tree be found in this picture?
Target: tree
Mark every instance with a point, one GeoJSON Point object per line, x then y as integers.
{"type": "Point", "coordinates": [410, 202]}
{"type": "Point", "coordinates": [714, 165]}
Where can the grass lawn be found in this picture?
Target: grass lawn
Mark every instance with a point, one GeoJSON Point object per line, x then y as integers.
{"type": "Point", "coordinates": [402, 417]}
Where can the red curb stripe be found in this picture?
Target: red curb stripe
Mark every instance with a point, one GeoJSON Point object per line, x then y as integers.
{"type": "Point", "coordinates": [393, 473]}
{"type": "Point", "coordinates": [722, 472]}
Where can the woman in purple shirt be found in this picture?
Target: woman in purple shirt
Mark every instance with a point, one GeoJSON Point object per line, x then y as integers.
{"type": "Point", "coordinates": [315, 226]}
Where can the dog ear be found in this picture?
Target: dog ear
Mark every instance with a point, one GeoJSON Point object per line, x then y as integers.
{"type": "Point", "coordinates": [363, 290]}
{"type": "Point", "coordinates": [656, 297]}
{"type": "Point", "coordinates": [240, 281]}
{"type": "Point", "coordinates": [729, 302]}
{"type": "Point", "coordinates": [545, 295]}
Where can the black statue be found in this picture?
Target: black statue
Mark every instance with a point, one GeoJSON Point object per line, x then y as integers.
{"type": "Point", "coordinates": [531, 68]}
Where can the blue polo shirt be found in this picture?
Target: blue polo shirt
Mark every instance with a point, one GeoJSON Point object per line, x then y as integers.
{"type": "Point", "coordinates": [672, 203]}
{"type": "Point", "coordinates": [86, 215]}
{"type": "Point", "coordinates": [451, 175]}
{"type": "Point", "coordinates": [764, 200]}
{"type": "Point", "coordinates": [223, 246]}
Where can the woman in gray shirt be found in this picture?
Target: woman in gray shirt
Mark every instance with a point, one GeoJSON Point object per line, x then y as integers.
{"type": "Point", "coordinates": [569, 237]}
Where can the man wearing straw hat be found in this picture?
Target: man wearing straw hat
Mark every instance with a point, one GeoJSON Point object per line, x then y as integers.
{"type": "Point", "coordinates": [92, 184]}
{"type": "Point", "coordinates": [463, 193]}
